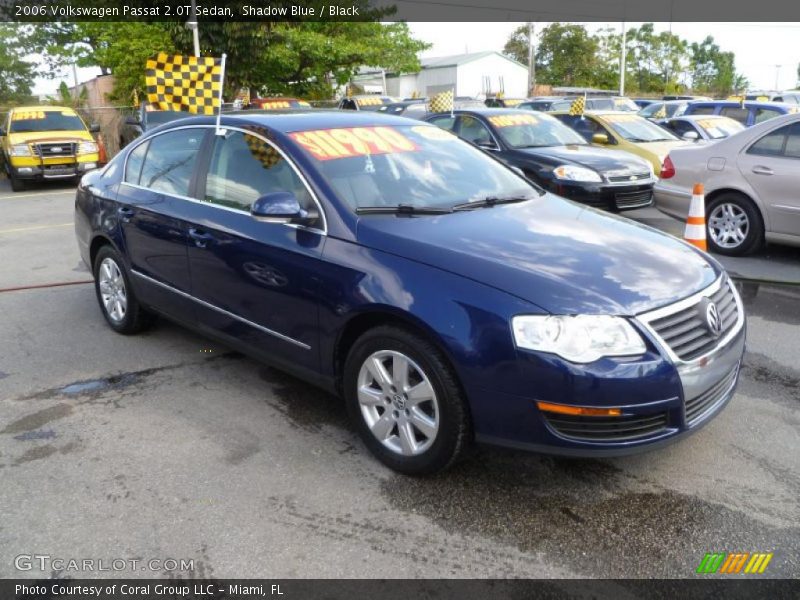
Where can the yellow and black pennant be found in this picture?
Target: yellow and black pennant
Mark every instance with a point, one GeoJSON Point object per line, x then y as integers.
{"type": "Point", "coordinates": [442, 102]}
{"type": "Point", "coordinates": [184, 83]}
{"type": "Point", "coordinates": [578, 106]}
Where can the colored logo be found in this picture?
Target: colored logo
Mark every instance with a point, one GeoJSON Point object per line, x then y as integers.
{"type": "Point", "coordinates": [735, 562]}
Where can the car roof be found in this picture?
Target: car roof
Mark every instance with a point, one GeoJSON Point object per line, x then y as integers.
{"type": "Point", "coordinates": [484, 111]}
{"type": "Point", "coordinates": [286, 121]}
{"type": "Point", "coordinates": [747, 103]}
{"type": "Point", "coordinates": [38, 108]}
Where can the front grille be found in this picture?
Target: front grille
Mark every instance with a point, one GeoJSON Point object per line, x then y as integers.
{"type": "Point", "coordinates": [686, 331]}
{"type": "Point", "coordinates": [629, 177]}
{"type": "Point", "coordinates": [700, 405]}
{"type": "Point", "coordinates": [607, 429]}
{"type": "Point", "coordinates": [633, 199]}
{"type": "Point", "coordinates": [54, 149]}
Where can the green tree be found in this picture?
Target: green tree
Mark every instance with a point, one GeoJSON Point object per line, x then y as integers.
{"type": "Point", "coordinates": [517, 46]}
{"type": "Point", "coordinates": [655, 61]}
{"type": "Point", "coordinates": [16, 74]}
{"type": "Point", "coordinates": [566, 55]}
{"type": "Point", "coordinates": [713, 71]}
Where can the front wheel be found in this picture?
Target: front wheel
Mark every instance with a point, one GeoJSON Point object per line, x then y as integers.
{"type": "Point", "coordinates": [17, 184]}
{"type": "Point", "coordinates": [405, 401]}
{"type": "Point", "coordinates": [114, 294]}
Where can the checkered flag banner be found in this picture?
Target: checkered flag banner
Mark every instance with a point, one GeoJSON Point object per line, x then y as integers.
{"type": "Point", "coordinates": [442, 102]}
{"type": "Point", "coordinates": [578, 106]}
{"type": "Point", "coordinates": [661, 113]}
{"type": "Point", "coordinates": [261, 151]}
{"type": "Point", "coordinates": [184, 83]}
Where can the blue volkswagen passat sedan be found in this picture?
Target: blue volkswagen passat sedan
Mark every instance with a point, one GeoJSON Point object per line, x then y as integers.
{"type": "Point", "coordinates": [447, 298]}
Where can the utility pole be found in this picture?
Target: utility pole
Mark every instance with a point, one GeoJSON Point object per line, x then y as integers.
{"type": "Point", "coordinates": [194, 27]}
{"type": "Point", "coordinates": [623, 50]}
{"type": "Point", "coordinates": [531, 58]}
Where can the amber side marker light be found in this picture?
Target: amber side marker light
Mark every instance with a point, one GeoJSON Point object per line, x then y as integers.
{"type": "Point", "coordinates": [579, 410]}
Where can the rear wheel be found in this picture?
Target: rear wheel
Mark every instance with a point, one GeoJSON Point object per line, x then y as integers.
{"type": "Point", "coordinates": [114, 294]}
{"type": "Point", "coordinates": [405, 401]}
{"type": "Point", "coordinates": [733, 225]}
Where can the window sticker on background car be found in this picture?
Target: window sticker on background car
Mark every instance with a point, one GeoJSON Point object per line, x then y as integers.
{"type": "Point", "coordinates": [369, 101]}
{"type": "Point", "coordinates": [26, 115]}
{"type": "Point", "coordinates": [509, 120]}
{"type": "Point", "coordinates": [434, 133]}
{"type": "Point", "coordinates": [328, 144]}
{"type": "Point", "coordinates": [620, 118]}
{"type": "Point", "coordinates": [275, 104]}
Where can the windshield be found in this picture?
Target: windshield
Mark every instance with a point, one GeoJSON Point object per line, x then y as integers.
{"type": "Point", "coordinates": [159, 117]}
{"type": "Point", "coordinates": [625, 104]}
{"type": "Point", "coordinates": [45, 120]}
{"type": "Point", "coordinates": [636, 129]}
{"type": "Point", "coordinates": [419, 165]}
{"type": "Point", "coordinates": [720, 127]}
{"type": "Point", "coordinates": [531, 131]}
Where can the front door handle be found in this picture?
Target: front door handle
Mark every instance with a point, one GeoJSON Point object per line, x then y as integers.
{"type": "Point", "coordinates": [125, 213]}
{"type": "Point", "coordinates": [200, 236]}
{"type": "Point", "coordinates": [761, 170]}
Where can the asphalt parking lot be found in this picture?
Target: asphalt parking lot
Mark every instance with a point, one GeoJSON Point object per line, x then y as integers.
{"type": "Point", "coordinates": [165, 445]}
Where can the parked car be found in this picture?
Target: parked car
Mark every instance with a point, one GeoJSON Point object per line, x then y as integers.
{"type": "Point", "coordinates": [702, 127]}
{"type": "Point", "coordinates": [624, 131]}
{"type": "Point", "coordinates": [751, 182]}
{"type": "Point", "coordinates": [367, 102]}
{"type": "Point", "coordinates": [39, 143]}
{"type": "Point", "coordinates": [278, 103]}
{"type": "Point", "coordinates": [555, 157]}
{"type": "Point", "coordinates": [643, 102]}
{"type": "Point", "coordinates": [540, 103]}
{"type": "Point", "coordinates": [446, 297]}
{"type": "Point", "coordinates": [617, 103]}
{"type": "Point", "coordinates": [664, 109]}
{"type": "Point", "coordinates": [789, 97]}
{"type": "Point", "coordinates": [504, 102]}
{"type": "Point", "coordinates": [748, 114]}
{"type": "Point", "coordinates": [414, 109]}
{"type": "Point", "coordinates": [145, 119]}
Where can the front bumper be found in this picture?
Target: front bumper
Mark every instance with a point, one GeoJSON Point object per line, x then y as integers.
{"type": "Point", "coordinates": [672, 200]}
{"type": "Point", "coordinates": [615, 198]}
{"type": "Point", "coordinates": [39, 171]}
{"type": "Point", "coordinates": [662, 398]}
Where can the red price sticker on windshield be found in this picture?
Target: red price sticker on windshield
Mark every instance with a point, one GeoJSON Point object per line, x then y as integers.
{"type": "Point", "coordinates": [510, 120]}
{"type": "Point", "coordinates": [328, 144]}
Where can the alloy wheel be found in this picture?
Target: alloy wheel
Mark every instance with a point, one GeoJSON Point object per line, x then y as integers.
{"type": "Point", "coordinates": [112, 290]}
{"type": "Point", "coordinates": [728, 225]}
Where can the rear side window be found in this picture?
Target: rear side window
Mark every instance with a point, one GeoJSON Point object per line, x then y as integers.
{"type": "Point", "coordinates": [792, 149]}
{"type": "Point", "coordinates": [447, 122]}
{"type": "Point", "coordinates": [134, 165]}
{"type": "Point", "coordinates": [170, 161]}
{"type": "Point", "coordinates": [701, 110]}
{"type": "Point", "coordinates": [244, 168]}
{"type": "Point", "coordinates": [736, 113]}
{"type": "Point", "coordinates": [771, 144]}
{"type": "Point", "coordinates": [763, 114]}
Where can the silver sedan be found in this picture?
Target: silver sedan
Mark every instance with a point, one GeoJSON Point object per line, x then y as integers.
{"type": "Point", "coordinates": [752, 186]}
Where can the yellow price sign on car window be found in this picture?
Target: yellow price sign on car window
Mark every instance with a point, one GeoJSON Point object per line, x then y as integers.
{"type": "Point", "coordinates": [512, 102]}
{"type": "Point", "coordinates": [27, 115]}
{"type": "Point", "coordinates": [347, 142]}
{"type": "Point", "coordinates": [69, 113]}
{"type": "Point", "coordinates": [275, 105]}
{"type": "Point", "coordinates": [510, 120]}
{"type": "Point", "coordinates": [369, 101]}
{"type": "Point", "coordinates": [621, 118]}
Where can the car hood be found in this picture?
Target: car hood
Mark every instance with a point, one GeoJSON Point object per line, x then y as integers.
{"type": "Point", "coordinates": [587, 156]}
{"type": "Point", "coordinates": [28, 137]}
{"type": "Point", "coordinates": [561, 256]}
{"type": "Point", "coordinates": [661, 149]}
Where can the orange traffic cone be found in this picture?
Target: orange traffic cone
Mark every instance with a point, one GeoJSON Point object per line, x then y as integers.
{"type": "Point", "coordinates": [695, 232]}
{"type": "Point", "coordinates": [101, 149]}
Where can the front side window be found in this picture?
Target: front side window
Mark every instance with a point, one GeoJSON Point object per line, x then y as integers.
{"type": "Point", "coordinates": [417, 165]}
{"type": "Point", "coordinates": [170, 160]}
{"type": "Point", "coordinates": [244, 167]}
{"type": "Point", "coordinates": [472, 130]}
{"type": "Point", "coordinates": [448, 122]}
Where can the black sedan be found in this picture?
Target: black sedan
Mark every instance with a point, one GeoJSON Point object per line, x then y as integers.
{"type": "Point", "coordinates": [554, 156]}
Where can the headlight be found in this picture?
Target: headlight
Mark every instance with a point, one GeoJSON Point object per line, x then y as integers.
{"type": "Point", "coordinates": [20, 150]}
{"type": "Point", "coordinates": [573, 173]}
{"type": "Point", "coordinates": [579, 339]}
{"type": "Point", "coordinates": [87, 148]}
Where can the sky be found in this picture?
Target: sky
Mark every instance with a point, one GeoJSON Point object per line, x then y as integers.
{"type": "Point", "coordinates": [758, 47]}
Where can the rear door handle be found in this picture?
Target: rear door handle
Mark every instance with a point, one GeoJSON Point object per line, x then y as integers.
{"type": "Point", "coordinates": [200, 236]}
{"type": "Point", "coordinates": [761, 170]}
{"type": "Point", "coordinates": [125, 213]}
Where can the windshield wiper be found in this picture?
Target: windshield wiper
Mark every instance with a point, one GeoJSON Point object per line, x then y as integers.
{"type": "Point", "coordinates": [491, 201]}
{"type": "Point", "coordinates": [402, 209]}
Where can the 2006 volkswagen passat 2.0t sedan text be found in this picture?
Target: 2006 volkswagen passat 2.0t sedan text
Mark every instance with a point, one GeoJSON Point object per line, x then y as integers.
{"type": "Point", "coordinates": [444, 296]}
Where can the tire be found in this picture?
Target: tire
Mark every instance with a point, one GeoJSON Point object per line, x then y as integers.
{"type": "Point", "coordinates": [440, 427]}
{"type": "Point", "coordinates": [734, 226]}
{"type": "Point", "coordinates": [121, 310]}
{"type": "Point", "coordinates": [17, 184]}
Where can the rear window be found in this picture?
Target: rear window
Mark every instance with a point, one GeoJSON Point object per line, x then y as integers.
{"type": "Point", "coordinates": [736, 113]}
{"type": "Point", "coordinates": [764, 114]}
{"type": "Point", "coordinates": [701, 110]}
{"type": "Point", "coordinates": [45, 120]}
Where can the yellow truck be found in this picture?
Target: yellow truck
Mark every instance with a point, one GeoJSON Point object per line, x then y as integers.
{"type": "Point", "coordinates": [40, 143]}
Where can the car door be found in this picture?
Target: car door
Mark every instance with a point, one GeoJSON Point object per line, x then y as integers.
{"type": "Point", "coordinates": [154, 205]}
{"type": "Point", "coordinates": [256, 282]}
{"type": "Point", "coordinates": [772, 167]}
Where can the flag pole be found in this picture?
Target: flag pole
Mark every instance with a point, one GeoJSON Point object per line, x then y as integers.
{"type": "Point", "coordinates": [219, 131]}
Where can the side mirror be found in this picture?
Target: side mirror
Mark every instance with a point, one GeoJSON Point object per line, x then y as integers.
{"type": "Point", "coordinates": [281, 207]}
{"type": "Point", "coordinates": [94, 128]}
{"type": "Point", "coordinates": [691, 136]}
{"type": "Point", "coordinates": [600, 138]}
{"type": "Point", "coordinates": [131, 120]}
